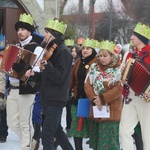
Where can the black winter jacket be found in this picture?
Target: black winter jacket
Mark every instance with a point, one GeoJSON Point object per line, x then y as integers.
{"type": "Point", "coordinates": [55, 78]}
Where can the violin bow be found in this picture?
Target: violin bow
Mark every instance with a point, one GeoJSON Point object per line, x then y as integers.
{"type": "Point", "coordinates": [49, 39]}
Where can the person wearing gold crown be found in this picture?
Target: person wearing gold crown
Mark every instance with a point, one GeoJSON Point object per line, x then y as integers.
{"type": "Point", "coordinates": [136, 108]}
{"type": "Point", "coordinates": [80, 125]}
{"type": "Point", "coordinates": [54, 81]}
{"type": "Point", "coordinates": [103, 88]}
{"type": "Point", "coordinates": [69, 43]}
{"type": "Point", "coordinates": [21, 96]}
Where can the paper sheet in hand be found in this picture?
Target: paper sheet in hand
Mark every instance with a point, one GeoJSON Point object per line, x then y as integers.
{"type": "Point", "coordinates": [104, 113]}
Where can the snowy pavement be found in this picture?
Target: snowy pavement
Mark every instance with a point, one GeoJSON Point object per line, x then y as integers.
{"type": "Point", "coordinates": [13, 142]}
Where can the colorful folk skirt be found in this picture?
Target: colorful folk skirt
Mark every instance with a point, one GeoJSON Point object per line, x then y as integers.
{"type": "Point", "coordinates": [84, 132]}
{"type": "Point", "coordinates": [104, 136]}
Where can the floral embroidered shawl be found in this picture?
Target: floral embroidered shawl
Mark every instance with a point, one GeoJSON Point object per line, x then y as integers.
{"type": "Point", "coordinates": [111, 75]}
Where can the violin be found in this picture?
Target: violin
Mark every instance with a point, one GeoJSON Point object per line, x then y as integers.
{"type": "Point", "coordinates": [47, 55]}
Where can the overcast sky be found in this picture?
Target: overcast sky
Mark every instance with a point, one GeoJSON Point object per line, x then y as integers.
{"type": "Point", "coordinates": [99, 4]}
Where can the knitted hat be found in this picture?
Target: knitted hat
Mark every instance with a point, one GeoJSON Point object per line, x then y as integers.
{"type": "Point", "coordinates": [141, 38]}
{"type": "Point", "coordinates": [25, 21]}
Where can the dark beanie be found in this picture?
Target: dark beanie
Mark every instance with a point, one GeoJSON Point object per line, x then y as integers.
{"type": "Point", "coordinates": [141, 38]}
{"type": "Point", "coordinates": [25, 25]}
{"type": "Point", "coordinates": [55, 33]}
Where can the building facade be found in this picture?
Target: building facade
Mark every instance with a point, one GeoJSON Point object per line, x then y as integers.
{"type": "Point", "coordinates": [41, 10]}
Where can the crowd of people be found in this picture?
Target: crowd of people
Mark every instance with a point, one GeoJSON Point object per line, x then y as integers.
{"type": "Point", "coordinates": [64, 73]}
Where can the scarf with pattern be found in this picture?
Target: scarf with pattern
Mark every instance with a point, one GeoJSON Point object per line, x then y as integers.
{"type": "Point", "coordinates": [111, 75]}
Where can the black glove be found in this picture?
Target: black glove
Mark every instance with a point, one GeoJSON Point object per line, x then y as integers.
{"type": "Point", "coordinates": [18, 67]}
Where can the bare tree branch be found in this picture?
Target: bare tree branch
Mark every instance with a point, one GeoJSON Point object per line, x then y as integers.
{"type": "Point", "coordinates": [62, 5]}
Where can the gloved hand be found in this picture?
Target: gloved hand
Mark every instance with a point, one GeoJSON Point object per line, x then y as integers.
{"type": "Point", "coordinates": [18, 67]}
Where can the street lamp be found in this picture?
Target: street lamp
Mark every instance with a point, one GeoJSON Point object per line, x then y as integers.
{"type": "Point", "coordinates": [93, 18]}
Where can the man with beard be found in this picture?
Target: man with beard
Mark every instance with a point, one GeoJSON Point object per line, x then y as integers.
{"type": "Point", "coordinates": [21, 96]}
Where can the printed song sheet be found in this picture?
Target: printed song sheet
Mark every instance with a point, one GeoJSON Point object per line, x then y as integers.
{"type": "Point", "coordinates": [104, 113]}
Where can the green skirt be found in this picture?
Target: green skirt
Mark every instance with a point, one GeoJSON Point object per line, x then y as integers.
{"type": "Point", "coordinates": [104, 136]}
{"type": "Point", "coordinates": [84, 133]}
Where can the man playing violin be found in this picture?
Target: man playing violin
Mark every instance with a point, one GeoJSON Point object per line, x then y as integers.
{"type": "Point", "coordinates": [136, 108]}
{"type": "Point", "coordinates": [54, 80]}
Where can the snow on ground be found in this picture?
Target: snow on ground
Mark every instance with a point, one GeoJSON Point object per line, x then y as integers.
{"type": "Point", "coordinates": [13, 142]}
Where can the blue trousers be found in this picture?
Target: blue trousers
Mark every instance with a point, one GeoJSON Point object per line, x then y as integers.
{"type": "Point", "coordinates": [37, 117]}
{"type": "Point", "coordinates": [36, 114]}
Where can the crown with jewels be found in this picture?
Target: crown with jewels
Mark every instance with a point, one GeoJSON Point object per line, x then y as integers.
{"type": "Point", "coordinates": [56, 25]}
{"type": "Point", "coordinates": [143, 30]}
{"type": "Point", "coordinates": [107, 45]}
{"type": "Point", "coordinates": [26, 18]}
{"type": "Point", "coordinates": [69, 42]}
{"type": "Point", "coordinates": [89, 43]}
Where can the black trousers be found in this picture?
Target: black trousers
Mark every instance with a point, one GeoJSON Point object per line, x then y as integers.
{"type": "Point", "coordinates": [3, 124]}
{"type": "Point", "coordinates": [138, 137]}
{"type": "Point", "coordinates": [68, 115]}
{"type": "Point", "coordinates": [52, 128]}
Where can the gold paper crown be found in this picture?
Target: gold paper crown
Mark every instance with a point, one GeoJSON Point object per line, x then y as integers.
{"type": "Point", "coordinates": [97, 44]}
{"type": "Point", "coordinates": [69, 42]}
{"type": "Point", "coordinates": [107, 45]}
{"type": "Point", "coordinates": [26, 18]}
{"type": "Point", "coordinates": [143, 30]}
{"type": "Point", "coordinates": [56, 25]}
{"type": "Point", "coordinates": [89, 43]}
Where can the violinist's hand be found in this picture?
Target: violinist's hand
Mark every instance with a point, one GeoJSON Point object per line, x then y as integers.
{"type": "Point", "coordinates": [39, 62]}
{"type": "Point", "coordinates": [97, 102]}
{"type": "Point", "coordinates": [29, 73]}
{"type": "Point", "coordinates": [42, 64]}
